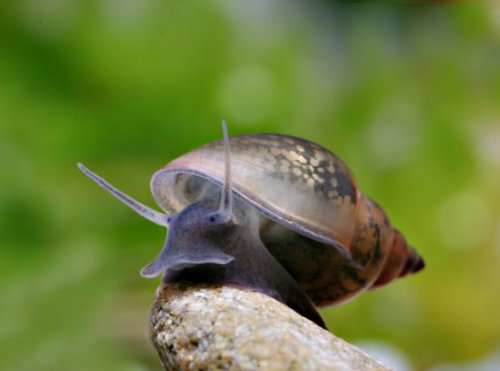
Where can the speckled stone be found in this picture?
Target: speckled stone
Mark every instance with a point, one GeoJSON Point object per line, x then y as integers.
{"type": "Point", "coordinates": [226, 328]}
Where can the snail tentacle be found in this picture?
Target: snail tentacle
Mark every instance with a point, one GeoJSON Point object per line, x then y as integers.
{"type": "Point", "coordinates": [225, 212]}
{"type": "Point", "coordinates": [141, 209]}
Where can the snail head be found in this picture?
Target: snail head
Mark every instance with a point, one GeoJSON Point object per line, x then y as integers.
{"type": "Point", "coordinates": [195, 233]}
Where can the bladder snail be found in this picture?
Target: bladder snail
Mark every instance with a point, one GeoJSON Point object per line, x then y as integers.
{"type": "Point", "coordinates": [275, 214]}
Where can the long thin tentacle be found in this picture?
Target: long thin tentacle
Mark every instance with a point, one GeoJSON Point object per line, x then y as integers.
{"type": "Point", "coordinates": [226, 203]}
{"type": "Point", "coordinates": [143, 210]}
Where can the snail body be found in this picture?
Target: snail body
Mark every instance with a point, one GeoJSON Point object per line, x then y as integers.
{"type": "Point", "coordinates": [275, 214]}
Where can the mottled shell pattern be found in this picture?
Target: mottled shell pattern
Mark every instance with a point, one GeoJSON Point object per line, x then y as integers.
{"type": "Point", "coordinates": [335, 242]}
{"type": "Point", "coordinates": [292, 181]}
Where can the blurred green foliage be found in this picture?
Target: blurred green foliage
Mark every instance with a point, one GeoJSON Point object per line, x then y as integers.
{"type": "Point", "coordinates": [408, 95]}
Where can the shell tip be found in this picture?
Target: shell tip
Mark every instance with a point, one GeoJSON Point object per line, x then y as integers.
{"type": "Point", "coordinates": [418, 266]}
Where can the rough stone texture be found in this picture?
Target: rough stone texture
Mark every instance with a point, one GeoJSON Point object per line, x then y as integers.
{"type": "Point", "coordinates": [226, 328]}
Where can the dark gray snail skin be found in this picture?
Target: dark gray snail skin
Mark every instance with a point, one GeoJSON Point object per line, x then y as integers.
{"type": "Point", "coordinates": [274, 214]}
{"type": "Point", "coordinates": [200, 251]}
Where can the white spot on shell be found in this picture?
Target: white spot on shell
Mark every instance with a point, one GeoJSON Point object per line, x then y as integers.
{"type": "Point", "coordinates": [318, 178]}
{"type": "Point", "coordinates": [332, 194]}
{"type": "Point", "coordinates": [285, 168]}
{"type": "Point", "coordinates": [285, 162]}
{"type": "Point", "coordinates": [320, 155]}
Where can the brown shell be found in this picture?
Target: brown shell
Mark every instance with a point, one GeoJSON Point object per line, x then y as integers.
{"type": "Point", "coordinates": [292, 181]}
{"type": "Point", "coordinates": [314, 208]}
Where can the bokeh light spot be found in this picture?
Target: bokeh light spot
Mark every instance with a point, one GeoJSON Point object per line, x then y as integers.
{"type": "Point", "coordinates": [488, 144]}
{"type": "Point", "coordinates": [387, 354]}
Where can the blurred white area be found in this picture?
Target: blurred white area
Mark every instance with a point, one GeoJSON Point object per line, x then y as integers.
{"type": "Point", "coordinates": [386, 353]}
{"type": "Point", "coordinates": [305, 84]}
{"type": "Point", "coordinates": [487, 148]}
{"type": "Point", "coordinates": [489, 363]}
{"type": "Point", "coordinates": [465, 220]}
{"type": "Point", "coordinates": [488, 143]}
{"type": "Point", "coordinates": [260, 24]}
{"type": "Point", "coordinates": [495, 11]}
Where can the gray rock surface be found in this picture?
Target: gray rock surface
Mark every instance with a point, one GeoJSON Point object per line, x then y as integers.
{"type": "Point", "coordinates": [227, 328]}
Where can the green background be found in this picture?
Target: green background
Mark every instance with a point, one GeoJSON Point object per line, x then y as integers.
{"type": "Point", "coordinates": [407, 95]}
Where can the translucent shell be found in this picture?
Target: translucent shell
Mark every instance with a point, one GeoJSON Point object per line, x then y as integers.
{"type": "Point", "coordinates": [290, 180]}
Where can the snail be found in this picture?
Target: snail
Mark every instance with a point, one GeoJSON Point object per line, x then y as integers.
{"type": "Point", "coordinates": [275, 214]}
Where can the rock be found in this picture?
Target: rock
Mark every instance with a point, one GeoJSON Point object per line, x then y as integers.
{"type": "Point", "coordinates": [227, 328]}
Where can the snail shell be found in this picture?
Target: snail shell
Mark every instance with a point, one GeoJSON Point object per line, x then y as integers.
{"type": "Point", "coordinates": [291, 223]}
{"type": "Point", "coordinates": [333, 240]}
